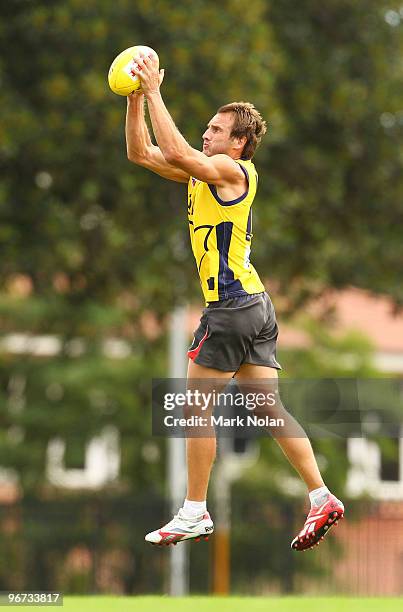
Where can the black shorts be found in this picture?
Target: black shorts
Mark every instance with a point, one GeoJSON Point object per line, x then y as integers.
{"type": "Point", "coordinates": [236, 331]}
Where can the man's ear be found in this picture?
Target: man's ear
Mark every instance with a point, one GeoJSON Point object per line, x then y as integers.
{"type": "Point", "coordinates": [240, 142]}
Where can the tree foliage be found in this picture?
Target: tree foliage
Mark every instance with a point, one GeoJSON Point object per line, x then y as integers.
{"type": "Point", "coordinates": [90, 244]}
{"type": "Point", "coordinates": [96, 241]}
{"type": "Point", "coordinates": [335, 188]}
{"type": "Point", "coordinates": [326, 77]}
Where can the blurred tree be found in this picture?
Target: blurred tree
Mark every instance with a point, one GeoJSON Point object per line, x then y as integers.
{"type": "Point", "coordinates": [89, 243]}
{"type": "Point", "coordinates": [107, 225]}
{"type": "Point", "coordinates": [335, 162]}
{"type": "Point", "coordinates": [327, 78]}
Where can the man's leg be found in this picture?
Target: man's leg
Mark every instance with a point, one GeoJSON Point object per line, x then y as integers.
{"type": "Point", "coordinates": [201, 451]}
{"type": "Point", "coordinates": [326, 509]}
{"type": "Point", "coordinates": [298, 450]}
{"type": "Point", "coordinates": [193, 521]}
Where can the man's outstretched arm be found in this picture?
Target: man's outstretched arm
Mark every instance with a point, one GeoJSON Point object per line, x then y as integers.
{"type": "Point", "coordinates": [140, 149]}
{"type": "Point", "coordinates": [217, 169]}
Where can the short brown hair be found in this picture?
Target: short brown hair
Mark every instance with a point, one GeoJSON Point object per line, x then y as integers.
{"type": "Point", "coordinates": [247, 122]}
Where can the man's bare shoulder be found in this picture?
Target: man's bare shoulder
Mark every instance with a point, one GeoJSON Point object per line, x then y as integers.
{"type": "Point", "coordinates": [225, 162]}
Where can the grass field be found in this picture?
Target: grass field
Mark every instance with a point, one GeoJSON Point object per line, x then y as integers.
{"type": "Point", "coordinates": [233, 604]}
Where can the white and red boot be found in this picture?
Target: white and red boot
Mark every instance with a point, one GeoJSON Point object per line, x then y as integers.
{"type": "Point", "coordinates": [318, 523]}
{"type": "Point", "coordinates": [182, 527]}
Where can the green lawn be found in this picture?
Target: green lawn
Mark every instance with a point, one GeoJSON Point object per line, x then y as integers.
{"type": "Point", "coordinates": [233, 604]}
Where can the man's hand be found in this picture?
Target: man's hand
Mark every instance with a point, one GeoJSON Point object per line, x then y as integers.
{"type": "Point", "coordinates": [146, 68]}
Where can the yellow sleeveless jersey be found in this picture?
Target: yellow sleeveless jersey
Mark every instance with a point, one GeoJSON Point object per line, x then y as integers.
{"type": "Point", "coordinates": [221, 236]}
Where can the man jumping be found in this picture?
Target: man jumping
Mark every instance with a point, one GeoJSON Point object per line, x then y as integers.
{"type": "Point", "coordinates": [238, 331]}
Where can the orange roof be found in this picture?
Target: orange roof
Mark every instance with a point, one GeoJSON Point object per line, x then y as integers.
{"type": "Point", "coordinates": [359, 310]}
{"type": "Point", "coordinates": [372, 315]}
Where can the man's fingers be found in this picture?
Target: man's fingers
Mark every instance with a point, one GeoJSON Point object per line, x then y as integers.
{"type": "Point", "coordinates": [143, 63]}
{"type": "Point", "coordinates": [135, 70]}
{"type": "Point", "coordinates": [148, 60]}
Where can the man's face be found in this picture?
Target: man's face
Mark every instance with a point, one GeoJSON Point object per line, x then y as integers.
{"type": "Point", "coordinates": [216, 138]}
